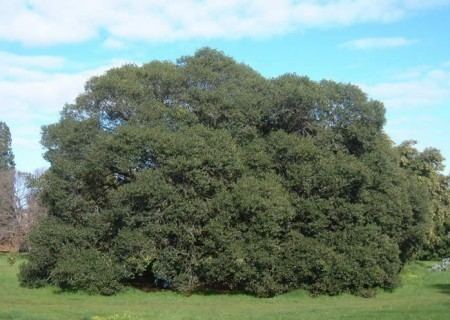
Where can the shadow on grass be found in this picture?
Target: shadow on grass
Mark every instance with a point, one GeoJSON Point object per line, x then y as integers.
{"type": "Point", "coordinates": [442, 288]}
{"type": "Point", "coordinates": [222, 292]}
{"type": "Point", "coordinates": [201, 292]}
{"type": "Point", "coordinates": [423, 264]}
{"type": "Point", "coordinates": [149, 284]}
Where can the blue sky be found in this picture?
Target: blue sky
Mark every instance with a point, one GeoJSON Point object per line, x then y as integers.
{"type": "Point", "coordinates": [398, 51]}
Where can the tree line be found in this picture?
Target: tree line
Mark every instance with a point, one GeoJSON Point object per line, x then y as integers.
{"type": "Point", "coordinates": [204, 175]}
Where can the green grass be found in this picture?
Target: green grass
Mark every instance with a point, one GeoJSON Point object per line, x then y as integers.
{"type": "Point", "coordinates": [423, 295]}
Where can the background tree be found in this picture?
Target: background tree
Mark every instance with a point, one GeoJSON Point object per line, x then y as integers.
{"type": "Point", "coordinates": [7, 193]}
{"type": "Point", "coordinates": [28, 207]}
{"type": "Point", "coordinates": [204, 174]}
{"type": "Point", "coordinates": [427, 166]}
{"type": "Point", "coordinates": [20, 207]}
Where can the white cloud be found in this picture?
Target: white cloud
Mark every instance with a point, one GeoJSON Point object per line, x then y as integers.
{"type": "Point", "coordinates": [47, 22]}
{"type": "Point", "coordinates": [44, 62]}
{"type": "Point", "coordinates": [112, 43]}
{"type": "Point", "coordinates": [417, 87]}
{"type": "Point", "coordinates": [417, 102]}
{"type": "Point", "coordinates": [32, 93]}
{"type": "Point", "coordinates": [32, 68]}
{"type": "Point", "coordinates": [378, 43]}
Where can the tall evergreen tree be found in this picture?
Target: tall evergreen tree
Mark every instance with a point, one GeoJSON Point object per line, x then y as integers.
{"type": "Point", "coordinates": [6, 153]}
{"type": "Point", "coordinates": [7, 195]}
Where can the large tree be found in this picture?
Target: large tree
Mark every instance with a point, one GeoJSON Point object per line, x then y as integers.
{"type": "Point", "coordinates": [204, 174]}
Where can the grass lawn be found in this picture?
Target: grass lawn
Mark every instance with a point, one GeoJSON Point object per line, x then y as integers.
{"type": "Point", "coordinates": [423, 295]}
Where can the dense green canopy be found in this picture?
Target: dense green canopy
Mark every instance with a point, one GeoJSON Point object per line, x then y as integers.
{"type": "Point", "coordinates": [202, 174]}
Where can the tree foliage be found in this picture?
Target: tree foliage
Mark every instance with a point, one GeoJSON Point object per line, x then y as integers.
{"type": "Point", "coordinates": [202, 174]}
